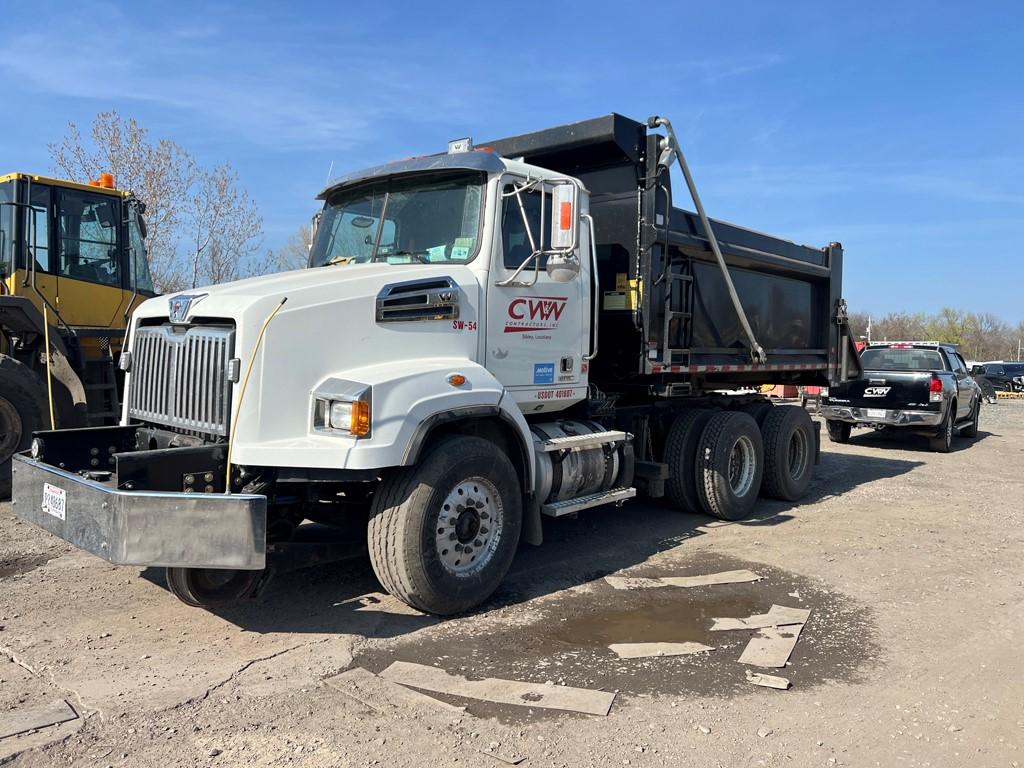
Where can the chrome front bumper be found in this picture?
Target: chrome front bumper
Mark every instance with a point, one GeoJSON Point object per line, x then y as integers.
{"type": "Point", "coordinates": [889, 418]}
{"type": "Point", "coordinates": [194, 530]}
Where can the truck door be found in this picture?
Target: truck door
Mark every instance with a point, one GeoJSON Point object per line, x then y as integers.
{"type": "Point", "coordinates": [89, 258]}
{"type": "Point", "coordinates": [537, 329]}
{"type": "Point", "coordinates": [964, 385]}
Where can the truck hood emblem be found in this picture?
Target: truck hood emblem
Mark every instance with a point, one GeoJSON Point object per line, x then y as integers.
{"type": "Point", "coordinates": [179, 306]}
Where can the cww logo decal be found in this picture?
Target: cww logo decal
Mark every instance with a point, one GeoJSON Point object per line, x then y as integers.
{"type": "Point", "coordinates": [534, 313]}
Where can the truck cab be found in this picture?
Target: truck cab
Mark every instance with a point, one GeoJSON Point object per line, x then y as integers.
{"type": "Point", "coordinates": [483, 337]}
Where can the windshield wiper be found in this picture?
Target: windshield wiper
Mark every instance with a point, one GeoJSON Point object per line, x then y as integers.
{"type": "Point", "coordinates": [338, 260]}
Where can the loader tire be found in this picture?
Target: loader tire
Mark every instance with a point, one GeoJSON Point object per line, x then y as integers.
{"type": "Point", "coordinates": [443, 534]}
{"type": "Point", "coordinates": [22, 412]}
{"type": "Point", "coordinates": [730, 463]}
{"type": "Point", "coordinates": [681, 457]}
{"type": "Point", "coordinates": [788, 435]}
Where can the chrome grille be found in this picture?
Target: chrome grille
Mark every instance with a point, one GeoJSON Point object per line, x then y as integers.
{"type": "Point", "coordinates": [181, 380]}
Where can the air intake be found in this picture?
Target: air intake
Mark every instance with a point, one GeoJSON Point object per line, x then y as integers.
{"type": "Point", "coordinates": [432, 298]}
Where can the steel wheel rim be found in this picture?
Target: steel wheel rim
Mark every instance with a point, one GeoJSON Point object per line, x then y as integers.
{"type": "Point", "coordinates": [742, 464]}
{"type": "Point", "coordinates": [10, 429]}
{"type": "Point", "coordinates": [469, 525]}
{"type": "Point", "coordinates": [797, 453]}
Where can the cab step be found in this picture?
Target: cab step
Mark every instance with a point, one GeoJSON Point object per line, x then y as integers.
{"type": "Point", "coordinates": [582, 441]}
{"type": "Point", "coordinates": [570, 506]}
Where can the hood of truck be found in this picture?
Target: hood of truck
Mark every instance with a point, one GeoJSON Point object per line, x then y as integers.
{"type": "Point", "coordinates": [327, 328]}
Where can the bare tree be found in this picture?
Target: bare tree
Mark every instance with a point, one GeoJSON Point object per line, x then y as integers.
{"type": "Point", "coordinates": [202, 227]}
{"type": "Point", "coordinates": [225, 229]}
{"type": "Point", "coordinates": [858, 322]}
{"type": "Point", "coordinates": [294, 254]}
{"type": "Point", "coordinates": [159, 173]}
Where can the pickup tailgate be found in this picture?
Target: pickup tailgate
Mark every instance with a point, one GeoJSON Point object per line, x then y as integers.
{"type": "Point", "coordinates": [887, 389]}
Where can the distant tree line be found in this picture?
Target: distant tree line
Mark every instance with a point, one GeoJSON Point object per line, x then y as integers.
{"type": "Point", "coordinates": [981, 335]}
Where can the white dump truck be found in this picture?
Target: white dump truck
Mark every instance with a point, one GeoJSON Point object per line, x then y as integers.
{"type": "Point", "coordinates": [483, 337]}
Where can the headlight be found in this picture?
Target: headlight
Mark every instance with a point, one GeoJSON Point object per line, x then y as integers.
{"type": "Point", "coordinates": [342, 407]}
{"type": "Point", "coordinates": [341, 415]}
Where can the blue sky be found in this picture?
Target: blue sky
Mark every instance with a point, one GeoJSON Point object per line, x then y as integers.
{"type": "Point", "coordinates": [895, 128]}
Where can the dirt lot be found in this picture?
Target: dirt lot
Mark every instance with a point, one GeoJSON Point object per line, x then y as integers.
{"type": "Point", "coordinates": [910, 562]}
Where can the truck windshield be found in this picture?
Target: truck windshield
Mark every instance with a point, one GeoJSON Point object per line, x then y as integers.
{"type": "Point", "coordinates": [402, 220]}
{"type": "Point", "coordinates": [901, 359]}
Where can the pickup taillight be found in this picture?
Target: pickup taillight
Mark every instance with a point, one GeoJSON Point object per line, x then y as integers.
{"type": "Point", "coordinates": [935, 390]}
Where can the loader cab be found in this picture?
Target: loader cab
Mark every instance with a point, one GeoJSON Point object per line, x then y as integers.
{"type": "Point", "coordinates": [76, 249]}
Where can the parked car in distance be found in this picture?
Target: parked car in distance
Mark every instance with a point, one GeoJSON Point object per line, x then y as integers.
{"type": "Point", "coordinates": [918, 386]}
{"type": "Point", "coordinates": [1005, 377]}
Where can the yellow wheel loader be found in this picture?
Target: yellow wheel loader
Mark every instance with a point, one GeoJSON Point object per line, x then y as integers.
{"type": "Point", "coordinates": [72, 268]}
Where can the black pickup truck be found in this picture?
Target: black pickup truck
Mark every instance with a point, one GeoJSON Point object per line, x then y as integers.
{"type": "Point", "coordinates": [923, 387]}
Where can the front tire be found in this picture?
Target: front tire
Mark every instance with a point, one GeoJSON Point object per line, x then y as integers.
{"type": "Point", "coordinates": [443, 534]}
{"type": "Point", "coordinates": [730, 463]}
{"type": "Point", "coordinates": [788, 452]}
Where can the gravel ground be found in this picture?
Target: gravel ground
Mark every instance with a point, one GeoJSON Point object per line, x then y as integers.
{"type": "Point", "coordinates": [909, 561]}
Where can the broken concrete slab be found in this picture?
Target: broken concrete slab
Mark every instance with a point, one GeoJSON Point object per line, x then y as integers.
{"type": "Point", "coordinates": [647, 650]}
{"type": "Point", "coordinates": [384, 696]}
{"type": "Point", "coordinates": [777, 616]}
{"type": "Point", "coordinates": [771, 646]}
{"type": "Point", "coordinates": [703, 580]}
{"type": "Point", "coordinates": [501, 691]}
{"type": "Point", "coordinates": [630, 582]}
{"type": "Point", "coordinates": [768, 681]}
{"type": "Point", "coordinates": [711, 579]}
{"type": "Point", "coordinates": [34, 718]}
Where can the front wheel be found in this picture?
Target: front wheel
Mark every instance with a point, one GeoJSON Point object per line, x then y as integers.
{"type": "Point", "coordinates": [442, 534]}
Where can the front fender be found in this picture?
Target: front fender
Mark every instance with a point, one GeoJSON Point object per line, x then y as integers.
{"type": "Point", "coordinates": [405, 396]}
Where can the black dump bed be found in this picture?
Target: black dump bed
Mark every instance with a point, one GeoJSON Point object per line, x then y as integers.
{"type": "Point", "coordinates": [666, 322]}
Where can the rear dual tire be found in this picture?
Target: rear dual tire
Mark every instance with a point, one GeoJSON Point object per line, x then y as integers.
{"type": "Point", "coordinates": [719, 461]}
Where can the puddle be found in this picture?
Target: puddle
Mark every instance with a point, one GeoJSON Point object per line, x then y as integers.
{"type": "Point", "coordinates": [674, 618]}
{"type": "Point", "coordinates": [16, 566]}
{"type": "Point", "coordinates": [565, 640]}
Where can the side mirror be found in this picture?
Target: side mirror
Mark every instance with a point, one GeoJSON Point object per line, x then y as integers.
{"type": "Point", "coordinates": [565, 217]}
{"type": "Point", "coordinates": [563, 267]}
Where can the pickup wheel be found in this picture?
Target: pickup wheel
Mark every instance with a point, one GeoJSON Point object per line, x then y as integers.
{"type": "Point", "coordinates": [211, 587]}
{"type": "Point", "coordinates": [730, 462]}
{"type": "Point", "coordinates": [838, 431]}
{"type": "Point", "coordinates": [788, 435]}
{"type": "Point", "coordinates": [971, 429]}
{"type": "Point", "coordinates": [442, 534]}
{"type": "Point", "coordinates": [22, 409]}
{"type": "Point", "coordinates": [943, 440]}
{"type": "Point", "coordinates": [681, 457]}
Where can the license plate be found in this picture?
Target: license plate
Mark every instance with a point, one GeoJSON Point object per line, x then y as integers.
{"type": "Point", "coordinates": [55, 501]}
{"type": "Point", "coordinates": [876, 413]}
